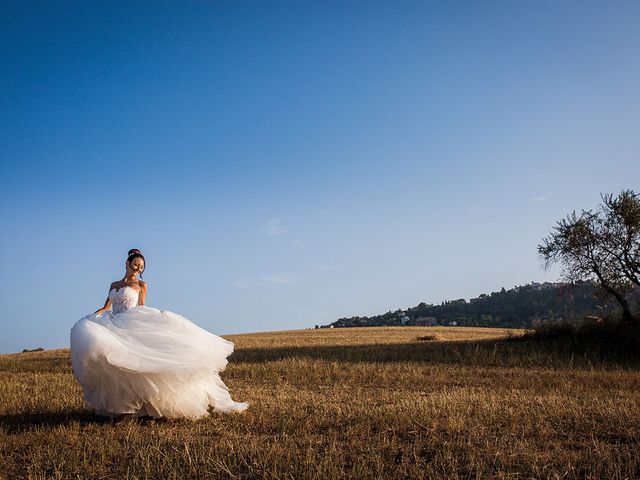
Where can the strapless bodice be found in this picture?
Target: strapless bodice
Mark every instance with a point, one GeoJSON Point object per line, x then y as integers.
{"type": "Point", "coordinates": [123, 299]}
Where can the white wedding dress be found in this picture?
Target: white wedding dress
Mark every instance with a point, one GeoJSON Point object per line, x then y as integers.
{"type": "Point", "coordinates": [140, 360]}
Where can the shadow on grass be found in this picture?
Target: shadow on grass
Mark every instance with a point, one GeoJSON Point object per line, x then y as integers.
{"type": "Point", "coordinates": [527, 352]}
{"type": "Point", "coordinates": [16, 423]}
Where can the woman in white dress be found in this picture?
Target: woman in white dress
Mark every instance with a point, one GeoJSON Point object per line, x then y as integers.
{"type": "Point", "coordinates": [138, 360]}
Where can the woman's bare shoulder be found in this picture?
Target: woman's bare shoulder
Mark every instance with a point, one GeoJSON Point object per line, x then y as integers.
{"type": "Point", "coordinates": [143, 285]}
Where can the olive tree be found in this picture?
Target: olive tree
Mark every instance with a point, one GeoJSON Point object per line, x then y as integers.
{"type": "Point", "coordinates": [603, 246]}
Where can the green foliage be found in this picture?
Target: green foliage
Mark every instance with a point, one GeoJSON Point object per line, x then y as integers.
{"type": "Point", "coordinates": [522, 306]}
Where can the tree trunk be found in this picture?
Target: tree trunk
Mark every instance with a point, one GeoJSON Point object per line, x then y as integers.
{"type": "Point", "coordinates": [626, 311]}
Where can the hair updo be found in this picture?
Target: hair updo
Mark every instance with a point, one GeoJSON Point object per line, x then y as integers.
{"type": "Point", "coordinates": [135, 253]}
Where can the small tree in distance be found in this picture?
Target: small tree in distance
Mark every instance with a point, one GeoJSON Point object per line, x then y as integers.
{"type": "Point", "coordinates": [603, 246]}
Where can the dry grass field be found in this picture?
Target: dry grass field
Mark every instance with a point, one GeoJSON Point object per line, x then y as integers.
{"type": "Point", "coordinates": [388, 403]}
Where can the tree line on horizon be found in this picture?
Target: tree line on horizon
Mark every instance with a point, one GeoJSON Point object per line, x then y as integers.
{"type": "Point", "coordinates": [519, 307]}
{"type": "Point", "coordinates": [599, 252]}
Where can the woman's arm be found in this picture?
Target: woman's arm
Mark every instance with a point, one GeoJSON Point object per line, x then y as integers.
{"type": "Point", "coordinates": [143, 293]}
{"type": "Point", "coordinates": [107, 303]}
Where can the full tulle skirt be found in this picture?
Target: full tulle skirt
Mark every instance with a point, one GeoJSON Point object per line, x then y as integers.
{"type": "Point", "coordinates": [145, 361]}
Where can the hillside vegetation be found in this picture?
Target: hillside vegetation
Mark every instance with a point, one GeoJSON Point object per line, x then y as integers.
{"type": "Point", "coordinates": [416, 402]}
{"type": "Point", "coordinates": [519, 307]}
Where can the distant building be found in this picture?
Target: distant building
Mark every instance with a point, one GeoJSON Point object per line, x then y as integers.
{"type": "Point", "coordinates": [404, 320]}
{"type": "Point", "coordinates": [453, 323]}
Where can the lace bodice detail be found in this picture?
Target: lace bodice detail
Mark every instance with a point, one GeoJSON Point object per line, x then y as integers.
{"type": "Point", "coordinates": [123, 299]}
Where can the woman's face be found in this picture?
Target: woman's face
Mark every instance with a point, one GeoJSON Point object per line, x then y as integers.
{"type": "Point", "coordinates": [135, 267]}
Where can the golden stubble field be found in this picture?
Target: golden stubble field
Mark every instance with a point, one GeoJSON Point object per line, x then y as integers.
{"type": "Point", "coordinates": [398, 402]}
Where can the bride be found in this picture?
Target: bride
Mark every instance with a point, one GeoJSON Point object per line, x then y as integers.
{"type": "Point", "coordinates": [135, 359]}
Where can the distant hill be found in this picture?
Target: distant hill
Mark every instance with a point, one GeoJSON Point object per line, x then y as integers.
{"type": "Point", "coordinates": [520, 306]}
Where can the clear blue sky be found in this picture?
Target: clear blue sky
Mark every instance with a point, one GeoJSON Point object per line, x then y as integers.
{"type": "Point", "coordinates": [283, 164]}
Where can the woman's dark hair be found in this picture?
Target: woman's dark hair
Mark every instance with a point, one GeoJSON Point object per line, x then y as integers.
{"type": "Point", "coordinates": [135, 253]}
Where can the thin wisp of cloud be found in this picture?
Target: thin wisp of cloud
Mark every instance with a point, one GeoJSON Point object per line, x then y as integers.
{"type": "Point", "coordinates": [275, 226]}
{"type": "Point", "coordinates": [540, 198]}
